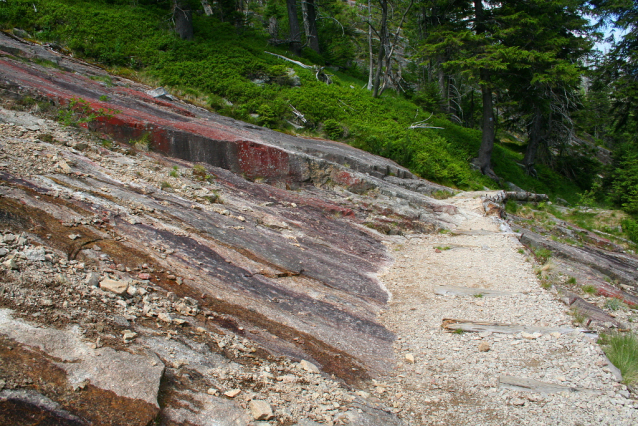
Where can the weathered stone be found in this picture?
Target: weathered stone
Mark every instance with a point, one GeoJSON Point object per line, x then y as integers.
{"type": "Point", "coordinates": [309, 366]}
{"type": "Point", "coordinates": [203, 409]}
{"type": "Point", "coordinates": [128, 376]}
{"type": "Point", "coordinates": [260, 410]}
{"type": "Point", "coordinates": [114, 286]}
{"type": "Point", "coordinates": [92, 279]}
{"type": "Point", "coordinates": [409, 358]}
{"type": "Point", "coordinates": [35, 254]}
{"type": "Point", "coordinates": [10, 264]}
{"type": "Point", "coordinates": [484, 346]}
{"type": "Point", "coordinates": [128, 335]}
{"type": "Point", "coordinates": [232, 393]}
{"type": "Point", "coordinates": [163, 316]}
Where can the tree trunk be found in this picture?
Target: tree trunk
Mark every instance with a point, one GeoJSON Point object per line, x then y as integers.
{"type": "Point", "coordinates": [535, 136]}
{"type": "Point", "coordinates": [483, 161]}
{"type": "Point", "coordinates": [295, 34]}
{"type": "Point", "coordinates": [207, 9]}
{"type": "Point", "coordinates": [371, 69]}
{"type": "Point", "coordinates": [310, 24]}
{"type": "Point", "coordinates": [383, 35]}
{"type": "Point", "coordinates": [183, 17]}
{"type": "Point", "coordinates": [273, 27]}
{"type": "Point", "coordinates": [443, 88]}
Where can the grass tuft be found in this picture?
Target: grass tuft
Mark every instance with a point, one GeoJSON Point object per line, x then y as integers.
{"type": "Point", "coordinates": [622, 351]}
{"type": "Point", "coordinates": [589, 289]}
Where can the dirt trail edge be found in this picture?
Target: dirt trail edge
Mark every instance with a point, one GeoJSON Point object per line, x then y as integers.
{"type": "Point", "coordinates": [488, 378]}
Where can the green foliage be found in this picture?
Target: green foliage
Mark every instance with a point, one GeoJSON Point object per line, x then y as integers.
{"type": "Point", "coordinates": [614, 304]}
{"type": "Point", "coordinates": [267, 116]}
{"type": "Point", "coordinates": [625, 183]}
{"type": "Point", "coordinates": [511, 206]}
{"type": "Point", "coordinates": [630, 227]}
{"type": "Point", "coordinates": [79, 111]}
{"type": "Point", "coordinates": [589, 289]}
{"type": "Point", "coordinates": [332, 129]}
{"type": "Point", "coordinates": [622, 351]}
{"type": "Point", "coordinates": [223, 59]}
{"type": "Point", "coordinates": [542, 254]}
{"type": "Point", "coordinates": [143, 142]}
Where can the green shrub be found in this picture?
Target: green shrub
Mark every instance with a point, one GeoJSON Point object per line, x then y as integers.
{"type": "Point", "coordinates": [267, 116]}
{"type": "Point", "coordinates": [630, 228]}
{"type": "Point", "coordinates": [332, 129]}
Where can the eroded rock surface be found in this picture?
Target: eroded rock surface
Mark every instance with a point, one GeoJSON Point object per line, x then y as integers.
{"type": "Point", "coordinates": [228, 256]}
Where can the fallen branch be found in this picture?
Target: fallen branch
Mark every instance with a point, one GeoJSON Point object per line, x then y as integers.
{"type": "Point", "coordinates": [302, 65]}
{"type": "Point", "coordinates": [298, 114]}
{"type": "Point", "coordinates": [423, 124]}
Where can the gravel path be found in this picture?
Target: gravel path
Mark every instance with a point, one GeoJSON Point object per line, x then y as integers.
{"type": "Point", "coordinates": [451, 381]}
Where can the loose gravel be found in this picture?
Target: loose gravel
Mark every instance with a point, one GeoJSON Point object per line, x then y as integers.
{"type": "Point", "coordinates": [454, 378]}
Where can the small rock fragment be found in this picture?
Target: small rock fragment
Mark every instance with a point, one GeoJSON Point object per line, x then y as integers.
{"type": "Point", "coordinates": [74, 236]}
{"type": "Point", "coordinates": [483, 347]}
{"type": "Point", "coordinates": [92, 279]}
{"type": "Point", "coordinates": [117, 287]}
{"type": "Point", "coordinates": [409, 358]}
{"type": "Point", "coordinates": [35, 254]}
{"type": "Point", "coordinates": [530, 336]}
{"type": "Point", "coordinates": [10, 264]}
{"type": "Point", "coordinates": [555, 334]}
{"type": "Point", "coordinates": [232, 393]}
{"type": "Point", "coordinates": [212, 391]}
{"type": "Point", "coordinates": [128, 335]}
{"type": "Point", "coordinates": [163, 316]}
{"type": "Point", "coordinates": [260, 410]}
{"type": "Point", "coordinates": [517, 401]}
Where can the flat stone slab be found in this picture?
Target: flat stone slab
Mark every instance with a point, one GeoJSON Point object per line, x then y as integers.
{"type": "Point", "coordinates": [125, 374]}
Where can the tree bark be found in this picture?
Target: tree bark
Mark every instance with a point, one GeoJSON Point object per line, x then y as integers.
{"type": "Point", "coordinates": [383, 41]}
{"type": "Point", "coordinates": [183, 17]}
{"type": "Point", "coordinates": [273, 27]}
{"type": "Point", "coordinates": [535, 137]}
{"type": "Point", "coordinates": [207, 9]}
{"type": "Point", "coordinates": [310, 24]}
{"type": "Point", "coordinates": [371, 69]}
{"type": "Point", "coordinates": [483, 161]}
{"type": "Point", "coordinates": [443, 88]}
{"type": "Point", "coordinates": [295, 34]}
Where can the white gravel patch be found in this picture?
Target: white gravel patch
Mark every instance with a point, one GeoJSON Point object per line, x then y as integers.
{"type": "Point", "coordinates": [451, 382]}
